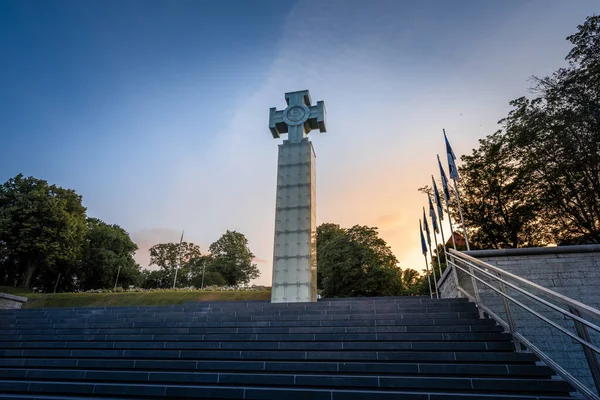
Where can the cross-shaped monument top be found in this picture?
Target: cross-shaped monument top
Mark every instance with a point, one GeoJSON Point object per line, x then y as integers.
{"type": "Point", "coordinates": [299, 118]}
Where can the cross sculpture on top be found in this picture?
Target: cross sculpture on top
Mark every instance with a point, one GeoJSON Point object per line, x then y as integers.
{"type": "Point", "coordinates": [299, 118]}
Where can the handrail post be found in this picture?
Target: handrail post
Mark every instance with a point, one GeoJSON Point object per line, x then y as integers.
{"type": "Point", "coordinates": [590, 356]}
{"type": "Point", "coordinates": [475, 288]}
{"type": "Point", "coordinates": [454, 274]}
{"type": "Point", "coordinates": [509, 317]}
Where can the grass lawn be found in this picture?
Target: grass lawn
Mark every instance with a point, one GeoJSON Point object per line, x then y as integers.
{"type": "Point", "coordinates": [15, 290]}
{"type": "Point", "coordinates": [40, 300]}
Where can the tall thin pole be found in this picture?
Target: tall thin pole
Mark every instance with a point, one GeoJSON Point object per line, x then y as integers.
{"type": "Point", "coordinates": [451, 228]}
{"type": "Point", "coordinates": [438, 255]}
{"type": "Point", "coordinates": [57, 280]}
{"type": "Point", "coordinates": [203, 269]}
{"type": "Point", "coordinates": [461, 215]}
{"type": "Point", "coordinates": [117, 280]}
{"type": "Point", "coordinates": [428, 275]}
{"type": "Point", "coordinates": [178, 260]}
{"type": "Point", "coordinates": [433, 270]}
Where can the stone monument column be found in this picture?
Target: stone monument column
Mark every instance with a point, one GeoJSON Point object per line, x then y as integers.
{"type": "Point", "coordinates": [295, 250]}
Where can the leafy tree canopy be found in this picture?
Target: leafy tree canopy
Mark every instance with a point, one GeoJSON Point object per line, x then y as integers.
{"type": "Point", "coordinates": [538, 180]}
{"type": "Point", "coordinates": [108, 251]}
{"type": "Point", "coordinates": [232, 259]}
{"type": "Point", "coordinates": [42, 232]}
{"type": "Point", "coordinates": [356, 262]}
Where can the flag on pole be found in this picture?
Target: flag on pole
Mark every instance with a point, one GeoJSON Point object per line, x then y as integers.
{"type": "Point", "coordinates": [438, 200]}
{"type": "Point", "coordinates": [423, 245]}
{"type": "Point", "coordinates": [433, 216]}
{"type": "Point", "coordinates": [426, 228]}
{"type": "Point", "coordinates": [451, 157]}
{"type": "Point", "coordinates": [444, 181]}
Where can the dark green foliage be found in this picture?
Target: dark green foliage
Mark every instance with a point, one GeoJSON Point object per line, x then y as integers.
{"type": "Point", "coordinates": [169, 257]}
{"type": "Point", "coordinates": [108, 250]}
{"type": "Point", "coordinates": [231, 257]}
{"type": "Point", "coordinates": [502, 206]}
{"type": "Point", "coordinates": [42, 232]}
{"type": "Point", "coordinates": [538, 180]}
{"type": "Point", "coordinates": [356, 262]}
{"type": "Point", "coordinates": [47, 242]}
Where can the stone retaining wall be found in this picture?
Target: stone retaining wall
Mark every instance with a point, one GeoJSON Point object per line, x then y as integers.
{"type": "Point", "coordinates": [9, 301]}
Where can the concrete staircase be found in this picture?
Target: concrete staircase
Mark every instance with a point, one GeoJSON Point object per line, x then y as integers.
{"type": "Point", "coordinates": [381, 348]}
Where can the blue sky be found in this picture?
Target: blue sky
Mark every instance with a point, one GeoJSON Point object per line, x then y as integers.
{"type": "Point", "coordinates": [157, 111]}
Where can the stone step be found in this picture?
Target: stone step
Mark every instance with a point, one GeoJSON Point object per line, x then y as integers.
{"type": "Point", "coordinates": [217, 317]}
{"type": "Point", "coordinates": [331, 367]}
{"type": "Point", "coordinates": [236, 337]}
{"type": "Point", "coordinates": [26, 334]}
{"type": "Point", "coordinates": [154, 328]}
{"type": "Point", "coordinates": [497, 384]}
{"type": "Point", "coordinates": [209, 390]}
{"type": "Point", "coordinates": [275, 321]}
{"type": "Point", "coordinates": [225, 354]}
{"type": "Point", "coordinates": [272, 345]}
{"type": "Point", "coordinates": [393, 308]}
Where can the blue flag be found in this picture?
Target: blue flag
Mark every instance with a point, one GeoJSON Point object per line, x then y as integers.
{"type": "Point", "coordinates": [423, 245]}
{"type": "Point", "coordinates": [444, 181]}
{"type": "Point", "coordinates": [426, 228]}
{"type": "Point", "coordinates": [438, 200]}
{"type": "Point", "coordinates": [433, 216]}
{"type": "Point", "coordinates": [451, 157]}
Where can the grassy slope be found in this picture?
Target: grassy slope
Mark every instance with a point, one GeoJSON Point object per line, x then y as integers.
{"type": "Point", "coordinates": [38, 300]}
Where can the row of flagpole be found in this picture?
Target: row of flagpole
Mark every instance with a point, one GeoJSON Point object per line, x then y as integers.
{"type": "Point", "coordinates": [425, 246]}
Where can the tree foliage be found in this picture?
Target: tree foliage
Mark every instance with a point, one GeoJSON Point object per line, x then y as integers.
{"type": "Point", "coordinates": [108, 251]}
{"type": "Point", "coordinates": [502, 206]}
{"type": "Point", "coordinates": [46, 240]}
{"type": "Point", "coordinates": [232, 259]}
{"type": "Point", "coordinates": [356, 262]}
{"type": "Point", "coordinates": [42, 231]}
{"type": "Point", "coordinates": [538, 180]}
{"type": "Point", "coordinates": [170, 257]}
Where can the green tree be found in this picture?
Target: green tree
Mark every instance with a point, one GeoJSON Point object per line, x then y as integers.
{"type": "Point", "coordinates": [356, 262]}
{"type": "Point", "coordinates": [556, 136]}
{"type": "Point", "coordinates": [414, 284]}
{"type": "Point", "coordinates": [42, 232]}
{"type": "Point", "coordinates": [538, 180]}
{"type": "Point", "coordinates": [156, 279]}
{"type": "Point", "coordinates": [231, 257]}
{"type": "Point", "coordinates": [168, 258]}
{"type": "Point", "coordinates": [108, 250]}
{"type": "Point", "coordinates": [204, 266]}
{"type": "Point", "coordinates": [502, 206]}
{"type": "Point", "coordinates": [325, 233]}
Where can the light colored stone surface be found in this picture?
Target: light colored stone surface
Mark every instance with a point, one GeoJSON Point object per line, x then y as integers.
{"type": "Point", "coordinates": [10, 301]}
{"type": "Point", "coordinates": [295, 250]}
{"type": "Point", "coordinates": [573, 271]}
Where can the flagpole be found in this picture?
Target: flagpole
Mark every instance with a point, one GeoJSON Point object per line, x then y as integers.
{"type": "Point", "coordinates": [454, 175]}
{"type": "Point", "coordinates": [437, 250]}
{"type": "Point", "coordinates": [461, 215]}
{"type": "Point", "coordinates": [450, 222]}
{"type": "Point", "coordinates": [178, 260]}
{"type": "Point", "coordinates": [424, 251]}
{"type": "Point", "coordinates": [433, 270]}
{"type": "Point", "coordinates": [428, 275]}
{"type": "Point", "coordinates": [447, 198]}
{"type": "Point", "coordinates": [441, 217]}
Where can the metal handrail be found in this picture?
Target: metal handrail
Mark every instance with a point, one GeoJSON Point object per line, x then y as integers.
{"type": "Point", "coordinates": [538, 299]}
{"type": "Point", "coordinates": [583, 308]}
{"type": "Point", "coordinates": [575, 307]}
{"type": "Point", "coordinates": [535, 313]}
